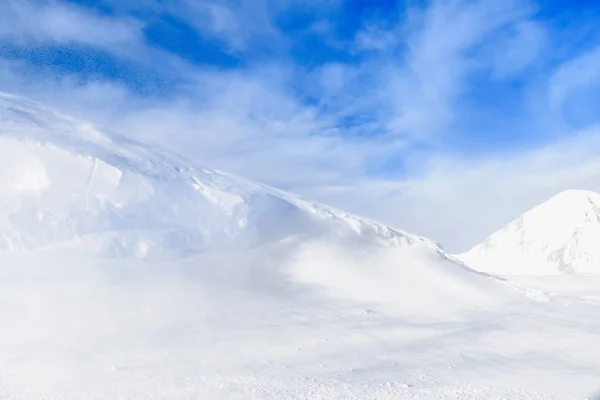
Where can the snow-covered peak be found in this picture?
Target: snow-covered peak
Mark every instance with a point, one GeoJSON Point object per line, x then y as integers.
{"type": "Point", "coordinates": [64, 183]}
{"type": "Point", "coordinates": [572, 202]}
{"type": "Point", "coordinates": [561, 235]}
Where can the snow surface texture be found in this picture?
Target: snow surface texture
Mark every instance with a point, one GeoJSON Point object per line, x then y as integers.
{"type": "Point", "coordinates": [130, 273]}
{"type": "Point", "coordinates": [561, 235]}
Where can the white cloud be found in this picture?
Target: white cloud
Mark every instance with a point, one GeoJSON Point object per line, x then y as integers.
{"type": "Point", "coordinates": [519, 49]}
{"type": "Point", "coordinates": [574, 74]}
{"type": "Point", "coordinates": [245, 25]}
{"type": "Point", "coordinates": [421, 94]}
{"type": "Point", "coordinates": [24, 22]}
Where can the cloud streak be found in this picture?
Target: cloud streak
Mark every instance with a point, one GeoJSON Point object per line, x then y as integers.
{"type": "Point", "coordinates": [26, 23]}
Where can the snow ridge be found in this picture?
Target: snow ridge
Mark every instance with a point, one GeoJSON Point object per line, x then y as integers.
{"type": "Point", "coordinates": [62, 182]}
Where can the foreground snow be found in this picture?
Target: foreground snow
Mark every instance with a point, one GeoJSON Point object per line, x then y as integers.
{"type": "Point", "coordinates": [130, 273]}
{"type": "Point", "coordinates": [231, 329]}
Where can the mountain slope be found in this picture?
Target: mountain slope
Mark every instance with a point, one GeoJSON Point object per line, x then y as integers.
{"type": "Point", "coordinates": [62, 180]}
{"type": "Point", "coordinates": [561, 235]}
{"type": "Point", "coordinates": [67, 186]}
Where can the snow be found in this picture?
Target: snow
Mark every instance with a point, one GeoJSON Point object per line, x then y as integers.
{"type": "Point", "coordinates": [558, 236]}
{"type": "Point", "coordinates": [127, 272]}
{"type": "Point", "coordinates": [64, 181]}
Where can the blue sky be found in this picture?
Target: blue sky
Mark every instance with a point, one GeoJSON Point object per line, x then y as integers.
{"type": "Point", "coordinates": [400, 110]}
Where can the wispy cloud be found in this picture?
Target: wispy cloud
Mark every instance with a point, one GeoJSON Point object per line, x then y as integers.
{"type": "Point", "coordinates": [25, 23]}
{"type": "Point", "coordinates": [518, 48]}
{"type": "Point", "coordinates": [575, 81]}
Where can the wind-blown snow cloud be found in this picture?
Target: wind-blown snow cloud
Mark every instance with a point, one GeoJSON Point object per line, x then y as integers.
{"type": "Point", "coordinates": [427, 117]}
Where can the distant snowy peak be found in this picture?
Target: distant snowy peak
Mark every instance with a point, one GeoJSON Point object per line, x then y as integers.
{"type": "Point", "coordinates": [561, 235]}
{"type": "Point", "coordinates": [64, 183]}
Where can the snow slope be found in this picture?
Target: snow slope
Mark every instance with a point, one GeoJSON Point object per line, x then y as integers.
{"type": "Point", "coordinates": [66, 185]}
{"type": "Point", "coordinates": [63, 181]}
{"type": "Point", "coordinates": [561, 235]}
{"type": "Point", "coordinates": [130, 273]}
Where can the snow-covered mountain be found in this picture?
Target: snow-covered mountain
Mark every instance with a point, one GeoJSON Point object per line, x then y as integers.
{"type": "Point", "coordinates": [561, 235]}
